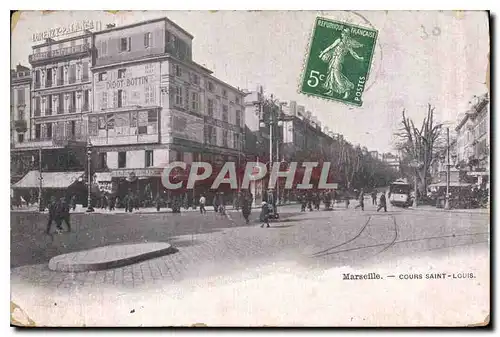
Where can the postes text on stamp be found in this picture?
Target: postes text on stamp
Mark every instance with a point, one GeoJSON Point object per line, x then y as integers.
{"type": "Point", "coordinates": [338, 63]}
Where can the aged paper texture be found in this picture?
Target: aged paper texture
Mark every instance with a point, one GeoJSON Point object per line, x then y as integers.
{"type": "Point", "coordinates": [250, 168]}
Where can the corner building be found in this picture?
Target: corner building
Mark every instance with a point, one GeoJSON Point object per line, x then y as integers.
{"type": "Point", "coordinates": [153, 105]}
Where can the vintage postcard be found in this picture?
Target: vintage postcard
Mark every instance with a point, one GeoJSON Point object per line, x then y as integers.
{"type": "Point", "coordinates": [250, 168]}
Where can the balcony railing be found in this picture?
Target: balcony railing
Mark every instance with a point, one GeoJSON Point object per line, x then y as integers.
{"type": "Point", "coordinates": [72, 109]}
{"type": "Point", "coordinates": [60, 110]}
{"type": "Point", "coordinates": [60, 81]}
{"type": "Point", "coordinates": [72, 80]}
{"type": "Point", "coordinates": [85, 78]}
{"type": "Point", "coordinates": [59, 52]}
{"type": "Point", "coordinates": [38, 112]}
{"type": "Point", "coordinates": [48, 83]}
{"type": "Point", "coordinates": [38, 85]}
{"type": "Point", "coordinates": [85, 107]}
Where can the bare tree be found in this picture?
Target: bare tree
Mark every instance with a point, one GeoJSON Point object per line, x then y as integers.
{"type": "Point", "coordinates": [418, 145]}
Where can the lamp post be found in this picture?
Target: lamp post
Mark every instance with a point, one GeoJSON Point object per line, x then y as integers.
{"type": "Point", "coordinates": [89, 179]}
{"type": "Point", "coordinates": [447, 198]}
{"type": "Point", "coordinates": [272, 121]}
{"type": "Point", "coordinates": [40, 178]}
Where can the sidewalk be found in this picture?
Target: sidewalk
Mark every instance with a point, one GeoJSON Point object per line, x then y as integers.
{"type": "Point", "coordinates": [429, 208]}
{"type": "Point", "coordinates": [143, 210]}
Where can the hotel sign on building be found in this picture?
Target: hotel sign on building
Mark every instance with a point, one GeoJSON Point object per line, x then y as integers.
{"type": "Point", "coordinates": [73, 28]}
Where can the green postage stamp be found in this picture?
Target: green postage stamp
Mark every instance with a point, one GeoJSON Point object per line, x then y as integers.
{"type": "Point", "coordinates": [339, 60]}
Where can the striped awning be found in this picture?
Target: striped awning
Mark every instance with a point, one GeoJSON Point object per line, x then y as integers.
{"type": "Point", "coordinates": [56, 180]}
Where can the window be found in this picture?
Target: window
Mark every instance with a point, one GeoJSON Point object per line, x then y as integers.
{"type": "Point", "coordinates": [213, 136]}
{"type": "Point", "coordinates": [178, 70]}
{"type": "Point", "coordinates": [72, 102]}
{"type": "Point", "coordinates": [37, 79]}
{"type": "Point", "coordinates": [49, 130]}
{"type": "Point", "coordinates": [195, 79]}
{"type": "Point", "coordinates": [179, 156]}
{"type": "Point", "coordinates": [37, 106]}
{"type": "Point", "coordinates": [48, 108]}
{"type": "Point", "coordinates": [104, 100]}
{"type": "Point", "coordinates": [149, 158]}
{"type": "Point", "coordinates": [224, 93]}
{"type": "Point", "coordinates": [60, 75]}
{"type": "Point", "coordinates": [121, 98]}
{"type": "Point", "coordinates": [85, 100]}
{"type": "Point", "coordinates": [101, 162]}
{"type": "Point", "coordinates": [85, 71]}
{"type": "Point", "coordinates": [224, 138]}
{"type": "Point", "coordinates": [211, 87]}
{"type": "Point", "coordinates": [103, 76]}
{"type": "Point", "coordinates": [72, 73]}
{"type": "Point", "coordinates": [237, 140]}
{"type": "Point", "coordinates": [148, 40]}
{"type": "Point", "coordinates": [73, 43]}
{"type": "Point", "coordinates": [122, 159]}
{"type": "Point", "coordinates": [60, 100]}
{"type": "Point", "coordinates": [224, 113]}
{"type": "Point", "coordinates": [149, 95]}
{"type": "Point", "coordinates": [104, 48]}
{"type": "Point", "coordinates": [38, 131]}
{"type": "Point", "coordinates": [178, 96]}
{"type": "Point", "coordinates": [20, 97]}
{"type": "Point", "coordinates": [72, 127]}
{"type": "Point", "coordinates": [237, 100]}
{"type": "Point", "coordinates": [121, 73]}
{"type": "Point", "coordinates": [194, 101]}
{"type": "Point", "coordinates": [238, 117]}
{"type": "Point", "coordinates": [125, 44]}
{"type": "Point", "coordinates": [210, 107]}
{"type": "Point", "coordinates": [152, 122]}
{"type": "Point", "coordinates": [20, 137]}
{"type": "Point", "coordinates": [48, 78]}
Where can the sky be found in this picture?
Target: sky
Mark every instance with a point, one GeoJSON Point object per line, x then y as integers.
{"type": "Point", "coordinates": [421, 57]}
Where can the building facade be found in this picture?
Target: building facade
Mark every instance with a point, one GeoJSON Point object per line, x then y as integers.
{"type": "Point", "coordinates": [20, 116]}
{"type": "Point", "coordinates": [154, 105]}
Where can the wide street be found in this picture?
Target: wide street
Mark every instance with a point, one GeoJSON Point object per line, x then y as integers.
{"type": "Point", "coordinates": [254, 270]}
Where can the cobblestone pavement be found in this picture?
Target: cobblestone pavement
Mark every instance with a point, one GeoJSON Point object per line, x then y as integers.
{"type": "Point", "coordinates": [218, 244]}
{"type": "Point", "coordinates": [212, 246]}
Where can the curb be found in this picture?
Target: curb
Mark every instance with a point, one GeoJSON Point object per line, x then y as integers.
{"type": "Point", "coordinates": [465, 211]}
{"type": "Point", "coordinates": [68, 266]}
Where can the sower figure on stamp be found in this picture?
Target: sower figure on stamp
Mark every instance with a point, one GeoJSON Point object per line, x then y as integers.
{"type": "Point", "coordinates": [336, 81]}
{"type": "Point", "coordinates": [382, 203]}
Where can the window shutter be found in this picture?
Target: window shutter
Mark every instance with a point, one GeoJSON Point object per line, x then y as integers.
{"type": "Point", "coordinates": [115, 99]}
{"type": "Point", "coordinates": [124, 97]}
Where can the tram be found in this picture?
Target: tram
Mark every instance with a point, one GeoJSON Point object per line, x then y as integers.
{"type": "Point", "coordinates": [400, 193]}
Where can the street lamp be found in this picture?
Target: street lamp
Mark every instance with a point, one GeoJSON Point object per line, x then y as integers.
{"type": "Point", "coordinates": [272, 121]}
{"type": "Point", "coordinates": [89, 180]}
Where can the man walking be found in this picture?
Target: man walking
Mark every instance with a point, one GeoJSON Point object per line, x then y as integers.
{"type": "Point", "coordinates": [62, 214]}
{"type": "Point", "coordinates": [246, 207]}
{"type": "Point", "coordinates": [73, 202]}
{"type": "Point", "coordinates": [374, 197]}
{"type": "Point", "coordinates": [361, 200]}
{"type": "Point", "coordinates": [382, 203]}
{"type": "Point", "coordinates": [202, 202]}
{"type": "Point", "coordinates": [52, 213]}
{"type": "Point", "coordinates": [264, 215]}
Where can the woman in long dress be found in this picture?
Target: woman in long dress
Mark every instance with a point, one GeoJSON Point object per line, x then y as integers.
{"type": "Point", "coordinates": [336, 82]}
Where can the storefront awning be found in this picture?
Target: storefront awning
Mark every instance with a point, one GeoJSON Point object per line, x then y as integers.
{"type": "Point", "coordinates": [55, 180]}
{"type": "Point", "coordinates": [452, 184]}
{"type": "Point", "coordinates": [102, 176]}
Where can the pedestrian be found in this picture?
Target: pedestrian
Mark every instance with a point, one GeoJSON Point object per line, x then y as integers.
{"type": "Point", "coordinates": [374, 197]}
{"type": "Point", "coordinates": [216, 203]}
{"type": "Point", "coordinates": [361, 198]}
{"type": "Point", "coordinates": [382, 203]}
{"type": "Point", "coordinates": [303, 202]}
{"type": "Point", "coordinates": [309, 201]}
{"type": "Point", "coordinates": [137, 201]}
{"type": "Point", "coordinates": [130, 202]}
{"type": "Point", "coordinates": [112, 203]}
{"type": "Point", "coordinates": [158, 202]}
{"type": "Point", "coordinates": [73, 202]}
{"type": "Point", "coordinates": [52, 213]}
{"type": "Point", "coordinates": [203, 201]}
{"type": "Point", "coordinates": [264, 214]}
{"type": "Point", "coordinates": [62, 214]}
{"type": "Point", "coordinates": [317, 200]}
{"type": "Point", "coordinates": [246, 208]}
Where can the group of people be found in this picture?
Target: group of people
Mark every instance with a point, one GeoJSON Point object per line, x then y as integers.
{"type": "Point", "coordinates": [58, 213]}
{"type": "Point", "coordinates": [312, 199]}
{"type": "Point", "coordinates": [245, 200]}
{"type": "Point", "coordinates": [382, 201]}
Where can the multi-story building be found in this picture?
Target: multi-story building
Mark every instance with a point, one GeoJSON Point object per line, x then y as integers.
{"type": "Point", "coordinates": [20, 111]}
{"type": "Point", "coordinates": [392, 161]}
{"type": "Point", "coordinates": [473, 143]}
{"type": "Point", "coordinates": [154, 105]}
